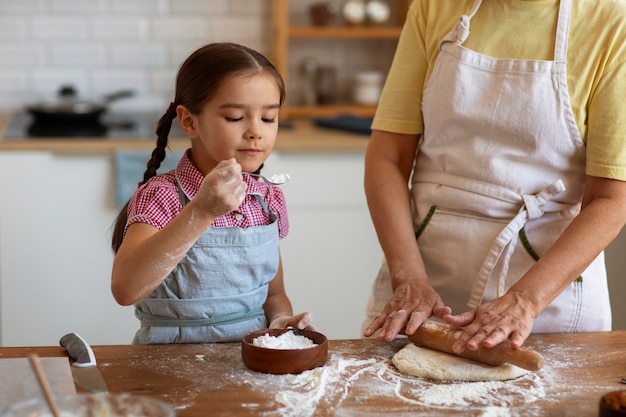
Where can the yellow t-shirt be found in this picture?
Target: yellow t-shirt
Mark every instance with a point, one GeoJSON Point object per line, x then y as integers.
{"type": "Point", "coordinates": [523, 29]}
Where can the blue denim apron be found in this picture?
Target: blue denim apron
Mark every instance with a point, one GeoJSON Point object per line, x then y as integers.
{"type": "Point", "coordinates": [217, 291]}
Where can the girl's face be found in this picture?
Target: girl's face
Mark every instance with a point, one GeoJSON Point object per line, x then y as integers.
{"type": "Point", "coordinates": [240, 121]}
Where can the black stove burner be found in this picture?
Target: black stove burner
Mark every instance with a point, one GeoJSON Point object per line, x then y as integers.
{"type": "Point", "coordinates": [52, 130]}
{"type": "Point", "coordinates": [110, 126]}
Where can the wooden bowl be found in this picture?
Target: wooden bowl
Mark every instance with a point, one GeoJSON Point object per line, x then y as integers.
{"type": "Point", "coordinates": [613, 404]}
{"type": "Point", "coordinates": [284, 361]}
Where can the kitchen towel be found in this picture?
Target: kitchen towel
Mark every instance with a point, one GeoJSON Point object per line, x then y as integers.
{"type": "Point", "coordinates": [129, 169]}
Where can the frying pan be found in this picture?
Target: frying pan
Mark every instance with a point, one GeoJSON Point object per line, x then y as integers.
{"type": "Point", "coordinates": [68, 107]}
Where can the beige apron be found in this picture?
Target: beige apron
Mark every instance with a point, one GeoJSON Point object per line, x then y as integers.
{"type": "Point", "coordinates": [498, 176]}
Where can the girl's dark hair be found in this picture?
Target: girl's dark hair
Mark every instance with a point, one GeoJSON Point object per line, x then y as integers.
{"type": "Point", "coordinates": [199, 77]}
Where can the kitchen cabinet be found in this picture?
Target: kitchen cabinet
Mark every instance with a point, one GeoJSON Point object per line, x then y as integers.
{"type": "Point", "coordinates": [331, 254]}
{"type": "Point", "coordinates": [55, 259]}
{"type": "Point", "coordinates": [348, 49]}
{"type": "Point", "coordinates": [56, 214]}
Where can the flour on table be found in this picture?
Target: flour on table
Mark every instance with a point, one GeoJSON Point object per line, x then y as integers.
{"type": "Point", "coordinates": [288, 340]}
{"type": "Point", "coordinates": [427, 363]}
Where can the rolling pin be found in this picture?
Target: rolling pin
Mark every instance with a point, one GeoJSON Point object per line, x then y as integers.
{"type": "Point", "coordinates": [441, 337]}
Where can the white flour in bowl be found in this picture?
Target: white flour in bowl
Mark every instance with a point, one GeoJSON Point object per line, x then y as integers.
{"type": "Point", "coordinates": [287, 340]}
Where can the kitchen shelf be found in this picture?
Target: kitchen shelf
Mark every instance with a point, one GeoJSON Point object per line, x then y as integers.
{"type": "Point", "coordinates": [330, 110]}
{"type": "Point", "coordinates": [285, 32]}
{"type": "Point", "coordinates": [348, 32]}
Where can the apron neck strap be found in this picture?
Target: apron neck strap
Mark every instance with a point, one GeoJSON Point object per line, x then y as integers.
{"type": "Point", "coordinates": [562, 31]}
{"type": "Point", "coordinates": [461, 31]}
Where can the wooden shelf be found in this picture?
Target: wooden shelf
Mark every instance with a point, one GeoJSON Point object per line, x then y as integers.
{"type": "Point", "coordinates": [345, 32]}
{"type": "Point", "coordinates": [284, 33]}
{"type": "Point", "coordinates": [331, 110]}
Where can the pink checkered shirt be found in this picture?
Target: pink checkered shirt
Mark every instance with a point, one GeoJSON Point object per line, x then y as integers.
{"type": "Point", "coordinates": [157, 202]}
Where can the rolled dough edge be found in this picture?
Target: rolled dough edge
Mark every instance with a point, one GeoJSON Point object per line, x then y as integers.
{"type": "Point", "coordinates": [422, 362]}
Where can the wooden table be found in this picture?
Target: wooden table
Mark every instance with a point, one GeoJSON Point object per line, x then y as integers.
{"type": "Point", "coordinates": [211, 380]}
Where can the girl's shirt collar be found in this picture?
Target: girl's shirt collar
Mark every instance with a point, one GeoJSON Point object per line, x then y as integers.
{"type": "Point", "coordinates": [190, 178]}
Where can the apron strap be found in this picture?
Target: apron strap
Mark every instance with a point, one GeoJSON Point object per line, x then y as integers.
{"type": "Point", "coordinates": [272, 215]}
{"type": "Point", "coordinates": [562, 31]}
{"type": "Point", "coordinates": [151, 320]}
{"type": "Point", "coordinates": [461, 31]}
{"type": "Point", "coordinates": [504, 244]}
{"type": "Point", "coordinates": [497, 192]}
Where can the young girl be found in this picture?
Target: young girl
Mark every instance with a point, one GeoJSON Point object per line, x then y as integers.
{"type": "Point", "coordinates": [197, 248]}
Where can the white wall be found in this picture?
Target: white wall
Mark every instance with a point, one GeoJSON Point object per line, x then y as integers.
{"type": "Point", "coordinates": [616, 270]}
{"type": "Point", "coordinates": [55, 261]}
{"type": "Point", "coordinates": [102, 46]}
{"type": "Point", "coordinates": [331, 254]}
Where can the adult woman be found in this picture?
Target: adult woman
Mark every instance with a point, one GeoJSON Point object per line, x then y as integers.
{"type": "Point", "coordinates": [515, 136]}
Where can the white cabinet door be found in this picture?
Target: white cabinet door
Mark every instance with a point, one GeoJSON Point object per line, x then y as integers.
{"type": "Point", "coordinates": [55, 260]}
{"type": "Point", "coordinates": [331, 254]}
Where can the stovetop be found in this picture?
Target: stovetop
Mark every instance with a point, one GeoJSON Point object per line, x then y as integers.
{"type": "Point", "coordinates": [21, 126]}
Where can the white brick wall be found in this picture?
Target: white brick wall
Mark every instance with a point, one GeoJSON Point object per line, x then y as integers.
{"type": "Point", "coordinates": [102, 46]}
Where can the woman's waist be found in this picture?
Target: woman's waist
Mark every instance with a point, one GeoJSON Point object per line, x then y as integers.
{"type": "Point", "coordinates": [491, 199]}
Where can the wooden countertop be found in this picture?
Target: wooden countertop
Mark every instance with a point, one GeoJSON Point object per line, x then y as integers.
{"type": "Point", "coordinates": [358, 380]}
{"type": "Point", "coordinates": [303, 136]}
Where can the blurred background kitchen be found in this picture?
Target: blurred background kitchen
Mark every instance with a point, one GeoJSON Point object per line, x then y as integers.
{"type": "Point", "coordinates": [59, 196]}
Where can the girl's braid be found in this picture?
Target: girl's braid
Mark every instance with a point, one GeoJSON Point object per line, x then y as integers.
{"type": "Point", "coordinates": [158, 154]}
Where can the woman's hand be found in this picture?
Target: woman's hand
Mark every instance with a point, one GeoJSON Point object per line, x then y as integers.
{"type": "Point", "coordinates": [410, 305]}
{"type": "Point", "coordinates": [300, 321]}
{"type": "Point", "coordinates": [507, 318]}
{"type": "Point", "coordinates": [222, 190]}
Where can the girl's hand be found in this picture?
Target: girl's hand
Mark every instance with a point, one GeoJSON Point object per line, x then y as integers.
{"type": "Point", "coordinates": [301, 321]}
{"type": "Point", "coordinates": [407, 309]}
{"type": "Point", "coordinates": [222, 190]}
{"type": "Point", "coordinates": [508, 318]}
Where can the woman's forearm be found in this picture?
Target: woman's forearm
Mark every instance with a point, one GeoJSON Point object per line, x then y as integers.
{"type": "Point", "coordinates": [602, 216]}
{"type": "Point", "coordinates": [388, 165]}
